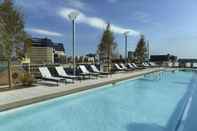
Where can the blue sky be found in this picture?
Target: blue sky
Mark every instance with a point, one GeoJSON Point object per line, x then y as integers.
{"type": "Point", "coordinates": [169, 25]}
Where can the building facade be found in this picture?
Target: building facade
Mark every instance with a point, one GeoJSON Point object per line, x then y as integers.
{"type": "Point", "coordinates": [42, 55]}
{"type": "Point", "coordinates": [59, 53]}
{"type": "Point", "coordinates": [131, 55]}
{"type": "Point", "coordinates": [45, 51]}
{"type": "Point", "coordinates": [163, 59]}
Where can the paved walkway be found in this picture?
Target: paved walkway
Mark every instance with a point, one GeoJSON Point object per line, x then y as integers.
{"type": "Point", "coordinates": [20, 97]}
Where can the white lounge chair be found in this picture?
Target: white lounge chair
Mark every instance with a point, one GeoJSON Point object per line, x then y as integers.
{"type": "Point", "coordinates": [95, 70]}
{"type": "Point", "coordinates": [152, 64]}
{"type": "Point", "coordinates": [46, 75]}
{"type": "Point", "coordinates": [62, 73]}
{"type": "Point", "coordinates": [137, 67]}
{"type": "Point", "coordinates": [145, 64]}
{"type": "Point", "coordinates": [118, 67]}
{"type": "Point", "coordinates": [131, 66]}
{"type": "Point", "coordinates": [125, 68]}
{"type": "Point", "coordinates": [85, 71]}
{"type": "Point", "coordinates": [134, 65]}
{"type": "Point", "coordinates": [194, 65]}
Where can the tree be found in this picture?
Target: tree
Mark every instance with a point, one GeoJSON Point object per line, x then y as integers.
{"type": "Point", "coordinates": [107, 47]}
{"type": "Point", "coordinates": [12, 32]}
{"type": "Point", "coordinates": [27, 50]}
{"type": "Point", "coordinates": [140, 51]}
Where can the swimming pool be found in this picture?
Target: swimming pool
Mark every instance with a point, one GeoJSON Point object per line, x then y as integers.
{"type": "Point", "coordinates": [154, 102]}
{"type": "Point", "coordinates": [2, 67]}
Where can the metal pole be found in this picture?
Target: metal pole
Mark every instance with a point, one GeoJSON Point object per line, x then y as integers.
{"type": "Point", "coordinates": [73, 46]}
{"type": "Point", "coordinates": [148, 52]}
{"type": "Point", "coordinates": [126, 47]}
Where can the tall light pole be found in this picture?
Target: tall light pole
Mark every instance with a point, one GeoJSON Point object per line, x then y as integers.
{"type": "Point", "coordinates": [148, 50]}
{"type": "Point", "coordinates": [126, 40]}
{"type": "Point", "coordinates": [73, 16]}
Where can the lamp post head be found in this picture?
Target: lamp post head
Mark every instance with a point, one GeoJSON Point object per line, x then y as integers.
{"type": "Point", "coordinates": [126, 33]}
{"type": "Point", "coordinates": [73, 15]}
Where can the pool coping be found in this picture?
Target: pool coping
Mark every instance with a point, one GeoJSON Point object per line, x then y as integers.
{"type": "Point", "coordinates": [37, 99]}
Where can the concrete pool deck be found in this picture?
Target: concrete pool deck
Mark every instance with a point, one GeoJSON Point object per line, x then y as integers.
{"type": "Point", "coordinates": [21, 97]}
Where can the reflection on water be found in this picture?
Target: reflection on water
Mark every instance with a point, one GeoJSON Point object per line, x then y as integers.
{"type": "Point", "coordinates": [144, 127]}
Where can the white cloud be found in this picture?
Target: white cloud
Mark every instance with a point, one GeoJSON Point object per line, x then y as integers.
{"type": "Point", "coordinates": [76, 4]}
{"type": "Point", "coordinates": [48, 7]}
{"type": "Point", "coordinates": [95, 22]}
{"type": "Point", "coordinates": [43, 32]}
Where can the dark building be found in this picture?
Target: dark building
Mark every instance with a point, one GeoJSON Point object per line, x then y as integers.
{"type": "Point", "coordinates": [160, 59]}
{"type": "Point", "coordinates": [39, 42]}
{"type": "Point", "coordinates": [131, 55]}
{"type": "Point", "coordinates": [187, 60]}
{"type": "Point", "coordinates": [45, 42]}
{"type": "Point", "coordinates": [59, 47]}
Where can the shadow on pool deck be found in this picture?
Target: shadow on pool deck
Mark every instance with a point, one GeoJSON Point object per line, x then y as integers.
{"type": "Point", "coordinates": [144, 127]}
{"type": "Point", "coordinates": [18, 87]}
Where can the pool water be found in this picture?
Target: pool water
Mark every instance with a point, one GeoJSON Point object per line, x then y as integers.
{"type": "Point", "coordinates": [150, 103]}
{"type": "Point", "coordinates": [2, 67]}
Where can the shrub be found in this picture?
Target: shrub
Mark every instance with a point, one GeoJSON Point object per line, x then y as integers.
{"type": "Point", "coordinates": [15, 76]}
{"type": "Point", "coordinates": [26, 79]}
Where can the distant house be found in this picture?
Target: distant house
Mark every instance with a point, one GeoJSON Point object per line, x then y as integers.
{"type": "Point", "coordinates": [163, 59]}
{"type": "Point", "coordinates": [91, 57]}
{"type": "Point", "coordinates": [131, 55]}
{"type": "Point", "coordinates": [45, 51]}
{"type": "Point", "coordinates": [59, 53]}
{"type": "Point", "coordinates": [59, 49]}
{"type": "Point", "coordinates": [184, 61]}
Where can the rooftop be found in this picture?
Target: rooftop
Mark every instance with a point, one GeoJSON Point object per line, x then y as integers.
{"type": "Point", "coordinates": [45, 42]}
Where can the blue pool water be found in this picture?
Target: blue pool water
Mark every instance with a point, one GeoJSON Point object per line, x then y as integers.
{"type": "Point", "coordinates": [151, 103]}
{"type": "Point", "coordinates": [2, 67]}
